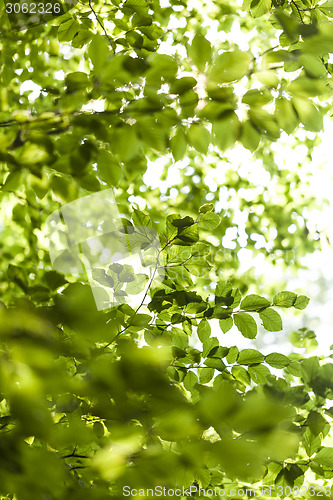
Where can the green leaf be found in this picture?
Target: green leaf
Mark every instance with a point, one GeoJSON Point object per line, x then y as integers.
{"type": "Point", "coordinates": [98, 429]}
{"type": "Point", "coordinates": [294, 368]}
{"type": "Point", "coordinates": [198, 137]}
{"type": "Point", "coordinates": [136, 66]}
{"type": "Point", "coordinates": [82, 38]}
{"type": "Point", "coordinates": [255, 97]}
{"type": "Point", "coordinates": [310, 442]}
{"type": "Point", "coordinates": [64, 188]}
{"type": "Point", "coordinates": [246, 325]}
{"type": "Point", "coordinates": [206, 375]}
{"type": "Point", "coordinates": [284, 299]}
{"type": "Point", "coordinates": [313, 66]}
{"type": "Point", "coordinates": [232, 355]}
{"type": "Point", "coordinates": [33, 154]}
{"type": "Point", "coordinates": [179, 338]}
{"type": "Point", "coordinates": [308, 114]}
{"type": "Point", "coordinates": [108, 168]}
{"type": "Point", "coordinates": [18, 276]}
{"type": "Point", "coordinates": [98, 52]}
{"type": "Point", "coordinates": [161, 66]}
{"type": "Point", "coordinates": [126, 226]}
{"type": "Point", "coordinates": [265, 122]}
{"type": "Point", "coordinates": [124, 142]}
{"type": "Point", "coordinates": [207, 207]}
{"type": "Point", "coordinates": [260, 7]}
{"type": "Point", "coordinates": [139, 320]}
{"type": "Point", "coordinates": [250, 137]}
{"type": "Point", "coordinates": [273, 470]}
{"type": "Point", "coordinates": [209, 344]}
{"type": "Point", "coordinates": [178, 144]}
{"type": "Point", "coordinates": [223, 289]}
{"type": "Point", "coordinates": [241, 374]}
{"type": "Point", "coordinates": [188, 235]}
{"type": "Point", "coordinates": [268, 78]}
{"type": "Point", "coordinates": [134, 39]}
{"type": "Point", "coordinates": [67, 30]}
{"type": "Point", "coordinates": [271, 320]}
{"type": "Point", "coordinates": [141, 219]}
{"type": "Point", "coordinates": [181, 85]}
{"type": "Point", "coordinates": [287, 477]}
{"type": "Point", "coordinates": [171, 229]}
{"type": "Point", "coordinates": [13, 181]}
{"type": "Point", "coordinates": [249, 357]}
{"type": "Point", "coordinates": [226, 131]}
{"type": "Point", "coordinates": [309, 368]}
{"type": "Point", "coordinates": [325, 457]}
{"type": "Point", "coordinates": [254, 303]}
{"type": "Point", "coordinates": [183, 222]}
{"type": "Point", "coordinates": [304, 338]}
{"type": "Point", "coordinates": [78, 80]}
{"type": "Point", "coordinates": [216, 363]}
{"type": "Point", "coordinates": [320, 44]}
{"type": "Point", "coordinates": [230, 66]}
{"type": "Point", "coordinates": [209, 221]}
{"type": "Point", "coordinates": [226, 324]}
{"type": "Point", "coordinates": [190, 380]}
{"type": "Point", "coordinates": [199, 51]}
{"type": "Point", "coordinates": [316, 422]}
{"type": "Point", "coordinates": [285, 115]}
{"type": "Point", "coordinates": [327, 8]}
{"type": "Point", "coordinates": [306, 87]}
{"type": "Point", "coordinates": [138, 285]}
{"type": "Point", "coordinates": [54, 280]}
{"type": "Point", "coordinates": [301, 302]}
{"type": "Point", "coordinates": [203, 330]}
{"type": "Point", "coordinates": [259, 373]}
{"type": "Point", "coordinates": [277, 360]}
{"type": "Point", "coordinates": [225, 295]}
{"type": "Point", "coordinates": [198, 266]}
{"type": "Point", "coordinates": [101, 277]}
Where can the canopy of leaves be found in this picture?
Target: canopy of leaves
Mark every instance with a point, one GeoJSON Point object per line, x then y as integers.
{"type": "Point", "coordinates": [101, 96]}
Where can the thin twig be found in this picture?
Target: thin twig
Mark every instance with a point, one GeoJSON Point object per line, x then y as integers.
{"type": "Point", "coordinates": [269, 50]}
{"type": "Point", "coordinates": [8, 123]}
{"type": "Point", "coordinates": [139, 306]}
{"type": "Point", "coordinates": [74, 455]}
{"type": "Point", "coordinates": [146, 293]}
{"type": "Point", "coordinates": [298, 10]}
{"type": "Point", "coordinates": [102, 26]}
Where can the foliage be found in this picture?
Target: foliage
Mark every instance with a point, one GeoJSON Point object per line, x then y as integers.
{"type": "Point", "coordinates": [92, 401]}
